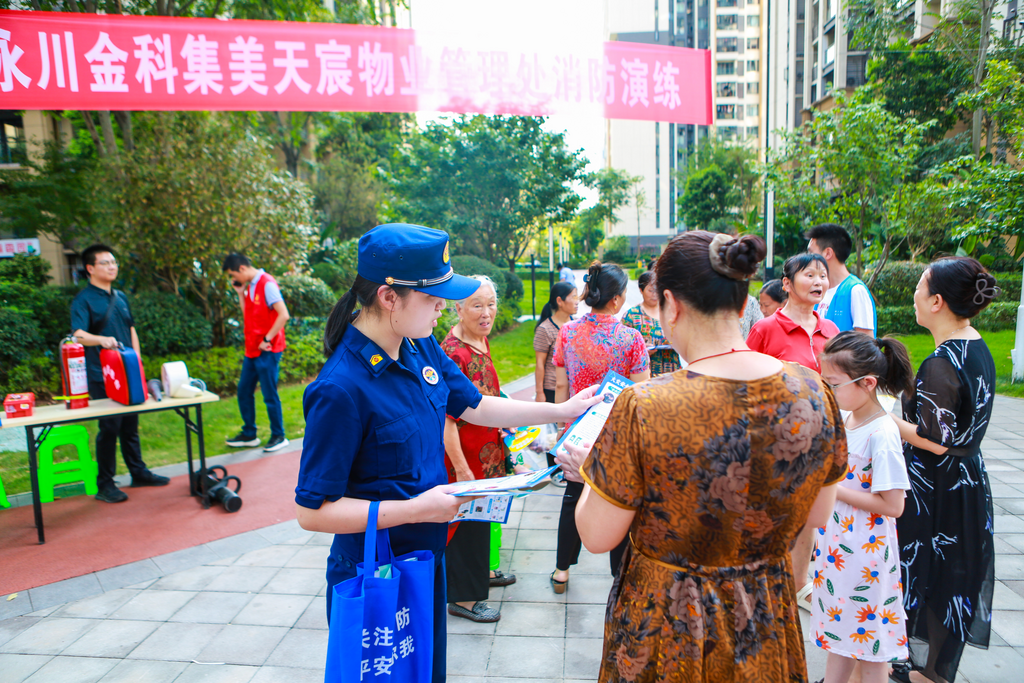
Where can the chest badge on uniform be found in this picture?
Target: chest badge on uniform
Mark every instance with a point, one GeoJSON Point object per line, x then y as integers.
{"type": "Point", "coordinates": [430, 375]}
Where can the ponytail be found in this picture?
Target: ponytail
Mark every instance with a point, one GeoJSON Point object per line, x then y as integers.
{"type": "Point", "coordinates": [362, 292]}
{"type": "Point", "coordinates": [560, 290]}
{"type": "Point", "coordinates": [899, 374]}
{"type": "Point", "coordinates": [605, 281]}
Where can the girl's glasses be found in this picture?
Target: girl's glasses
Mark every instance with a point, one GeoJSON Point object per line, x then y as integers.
{"type": "Point", "coordinates": [833, 387]}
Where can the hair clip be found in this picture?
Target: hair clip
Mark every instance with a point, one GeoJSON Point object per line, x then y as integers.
{"type": "Point", "coordinates": [586, 278]}
{"type": "Point", "coordinates": [983, 290]}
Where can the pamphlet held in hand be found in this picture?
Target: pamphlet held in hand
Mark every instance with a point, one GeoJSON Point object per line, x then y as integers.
{"type": "Point", "coordinates": [588, 426]}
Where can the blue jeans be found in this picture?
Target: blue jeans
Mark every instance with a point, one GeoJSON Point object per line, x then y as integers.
{"type": "Point", "coordinates": [263, 369]}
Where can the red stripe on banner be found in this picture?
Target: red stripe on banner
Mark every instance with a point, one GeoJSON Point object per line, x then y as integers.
{"type": "Point", "coordinates": [59, 61]}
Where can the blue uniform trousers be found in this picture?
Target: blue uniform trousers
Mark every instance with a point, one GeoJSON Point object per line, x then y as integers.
{"type": "Point", "coordinates": [341, 568]}
{"type": "Point", "coordinates": [263, 369]}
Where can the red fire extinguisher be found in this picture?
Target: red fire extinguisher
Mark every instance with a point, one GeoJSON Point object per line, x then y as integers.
{"type": "Point", "coordinates": [74, 382]}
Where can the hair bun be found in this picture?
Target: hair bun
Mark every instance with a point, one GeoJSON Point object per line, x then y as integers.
{"type": "Point", "coordinates": [985, 289]}
{"type": "Point", "coordinates": [734, 258]}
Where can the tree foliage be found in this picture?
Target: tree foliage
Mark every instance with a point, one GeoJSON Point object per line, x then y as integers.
{"type": "Point", "coordinates": [491, 181]}
{"type": "Point", "coordinates": [737, 162]}
{"type": "Point", "coordinates": [705, 198]}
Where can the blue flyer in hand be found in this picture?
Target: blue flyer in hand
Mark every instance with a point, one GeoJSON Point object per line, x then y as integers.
{"type": "Point", "coordinates": [588, 426]}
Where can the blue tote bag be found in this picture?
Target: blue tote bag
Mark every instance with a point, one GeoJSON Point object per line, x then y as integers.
{"type": "Point", "coordinates": [382, 619]}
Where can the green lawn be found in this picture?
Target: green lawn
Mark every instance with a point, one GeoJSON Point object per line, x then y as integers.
{"type": "Point", "coordinates": [999, 343]}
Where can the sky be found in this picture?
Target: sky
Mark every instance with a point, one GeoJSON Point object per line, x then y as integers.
{"type": "Point", "coordinates": [575, 24]}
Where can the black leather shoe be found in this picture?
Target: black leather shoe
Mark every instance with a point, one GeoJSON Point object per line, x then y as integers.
{"type": "Point", "coordinates": [500, 579]}
{"type": "Point", "coordinates": [112, 494]}
{"type": "Point", "coordinates": [147, 478]}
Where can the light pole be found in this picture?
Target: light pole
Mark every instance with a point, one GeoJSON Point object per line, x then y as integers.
{"type": "Point", "coordinates": [769, 196]}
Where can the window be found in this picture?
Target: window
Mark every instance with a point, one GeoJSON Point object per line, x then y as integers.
{"type": "Point", "coordinates": [753, 20]}
{"type": "Point", "coordinates": [753, 88]}
{"type": "Point", "coordinates": [753, 43]}
{"type": "Point", "coordinates": [753, 65]}
{"type": "Point", "coordinates": [751, 131]}
{"type": "Point", "coordinates": [725, 111]}
{"type": "Point", "coordinates": [726, 133]}
{"type": "Point", "coordinates": [726, 68]}
{"type": "Point", "coordinates": [726, 21]}
{"type": "Point", "coordinates": [726, 3]}
{"type": "Point", "coordinates": [752, 110]}
{"type": "Point", "coordinates": [728, 44]}
{"type": "Point", "coordinates": [726, 89]}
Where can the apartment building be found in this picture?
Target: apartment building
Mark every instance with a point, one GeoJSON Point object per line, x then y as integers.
{"type": "Point", "coordinates": [736, 56]}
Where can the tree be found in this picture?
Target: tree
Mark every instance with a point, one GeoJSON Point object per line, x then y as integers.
{"type": "Point", "coordinates": [705, 198]}
{"type": "Point", "coordinates": [639, 197]}
{"type": "Point", "coordinates": [492, 181]}
{"type": "Point", "coordinates": [847, 165]}
{"type": "Point", "coordinates": [196, 188]}
{"type": "Point", "coordinates": [737, 162]}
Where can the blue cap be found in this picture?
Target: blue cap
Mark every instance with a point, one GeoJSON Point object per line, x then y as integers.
{"type": "Point", "coordinates": [412, 256]}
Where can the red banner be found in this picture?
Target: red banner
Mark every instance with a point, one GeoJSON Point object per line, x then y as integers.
{"type": "Point", "coordinates": [59, 61]}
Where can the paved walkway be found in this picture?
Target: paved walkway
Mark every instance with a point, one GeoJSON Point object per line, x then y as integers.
{"type": "Point", "coordinates": [251, 607]}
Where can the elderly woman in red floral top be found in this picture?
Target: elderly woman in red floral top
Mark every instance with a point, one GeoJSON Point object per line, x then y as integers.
{"type": "Point", "coordinates": [473, 452]}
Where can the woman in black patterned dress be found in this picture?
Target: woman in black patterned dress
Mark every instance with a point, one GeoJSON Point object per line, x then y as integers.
{"type": "Point", "coordinates": [945, 533]}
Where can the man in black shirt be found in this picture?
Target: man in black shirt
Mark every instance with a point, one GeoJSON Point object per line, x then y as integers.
{"type": "Point", "coordinates": [100, 317]}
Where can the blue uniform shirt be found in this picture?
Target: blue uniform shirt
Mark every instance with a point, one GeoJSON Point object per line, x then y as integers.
{"type": "Point", "coordinates": [375, 431]}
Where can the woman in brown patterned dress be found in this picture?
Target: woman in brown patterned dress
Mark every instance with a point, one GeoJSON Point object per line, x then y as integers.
{"type": "Point", "coordinates": [712, 471]}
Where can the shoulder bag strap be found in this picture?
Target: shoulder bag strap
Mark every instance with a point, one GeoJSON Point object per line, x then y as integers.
{"type": "Point", "coordinates": [106, 315]}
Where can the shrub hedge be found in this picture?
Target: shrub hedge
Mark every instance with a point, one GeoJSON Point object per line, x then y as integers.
{"type": "Point", "coordinates": [897, 320]}
{"type": "Point", "coordinates": [168, 324]}
{"type": "Point", "coordinates": [510, 287]}
{"type": "Point", "coordinates": [306, 296]}
{"type": "Point", "coordinates": [25, 268]}
{"type": "Point", "coordinates": [896, 284]}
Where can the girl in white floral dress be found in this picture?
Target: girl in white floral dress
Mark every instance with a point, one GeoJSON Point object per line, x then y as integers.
{"type": "Point", "coordinates": [857, 600]}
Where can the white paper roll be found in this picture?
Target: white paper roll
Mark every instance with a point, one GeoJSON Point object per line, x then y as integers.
{"type": "Point", "coordinates": [176, 380]}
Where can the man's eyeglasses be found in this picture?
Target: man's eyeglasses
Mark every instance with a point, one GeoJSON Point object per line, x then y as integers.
{"type": "Point", "coordinates": [111, 262]}
{"type": "Point", "coordinates": [833, 387]}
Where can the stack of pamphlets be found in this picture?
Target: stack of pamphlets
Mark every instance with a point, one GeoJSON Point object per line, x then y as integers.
{"type": "Point", "coordinates": [496, 494]}
{"type": "Point", "coordinates": [588, 426]}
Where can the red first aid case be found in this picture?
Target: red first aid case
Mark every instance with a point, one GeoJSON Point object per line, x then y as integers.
{"type": "Point", "coordinates": [19, 405]}
{"type": "Point", "coordinates": [123, 376]}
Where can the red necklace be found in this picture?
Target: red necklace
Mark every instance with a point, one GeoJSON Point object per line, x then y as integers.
{"type": "Point", "coordinates": [724, 353]}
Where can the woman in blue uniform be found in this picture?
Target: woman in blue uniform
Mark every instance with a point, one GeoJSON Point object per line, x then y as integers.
{"type": "Point", "coordinates": [375, 414]}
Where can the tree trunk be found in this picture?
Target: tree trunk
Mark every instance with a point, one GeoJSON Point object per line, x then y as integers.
{"type": "Point", "coordinates": [124, 121]}
{"type": "Point", "coordinates": [108, 134]}
{"type": "Point", "coordinates": [91, 126]}
{"type": "Point", "coordinates": [859, 239]}
{"type": "Point", "coordinates": [986, 7]}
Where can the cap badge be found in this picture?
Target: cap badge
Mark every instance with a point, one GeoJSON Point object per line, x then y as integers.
{"type": "Point", "coordinates": [390, 280]}
{"type": "Point", "coordinates": [376, 359]}
{"type": "Point", "coordinates": [430, 375]}
{"type": "Point", "coordinates": [444, 256]}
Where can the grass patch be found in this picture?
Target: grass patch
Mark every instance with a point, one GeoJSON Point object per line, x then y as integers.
{"type": "Point", "coordinates": [163, 435]}
{"type": "Point", "coordinates": [999, 343]}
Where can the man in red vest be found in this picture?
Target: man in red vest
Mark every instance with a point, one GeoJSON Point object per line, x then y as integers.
{"type": "Point", "coordinates": [265, 315]}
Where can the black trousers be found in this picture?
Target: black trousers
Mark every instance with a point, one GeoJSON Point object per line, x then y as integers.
{"type": "Point", "coordinates": [569, 543]}
{"type": "Point", "coordinates": [469, 562]}
{"type": "Point", "coordinates": [549, 397]}
{"type": "Point", "coordinates": [125, 428]}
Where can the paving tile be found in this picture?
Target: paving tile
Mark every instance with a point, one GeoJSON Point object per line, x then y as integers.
{"type": "Point", "coordinates": [1003, 491]}
{"type": "Point", "coordinates": [532, 562]}
{"type": "Point", "coordinates": [238, 544]}
{"type": "Point", "coordinates": [127, 574]}
{"type": "Point", "coordinates": [150, 671]}
{"type": "Point", "coordinates": [538, 520]}
{"type": "Point", "coordinates": [1014, 506]}
{"type": "Point", "coordinates": [301, 539]}
{"type": "Point", "coordinates": [184, 559]}
{"type": "Point", "coordinates": [1009, 626]}
{"type": "Point", "coordinates": [242, 579]}
{"type": "Point", "coordinates": [153, 605]}
{"type": "Point", "coordinates": [142, 585]}
{"type": "Point", "coordinates": [65, 591]}
{"type": "Point", "coordinates": [515, 519]}
{"type": "Point", "coordinates": [584, 621]}
{"type": "Point", "coordinates": [1008, 524]}
{"type": "Point", "coordinates": [176, 642]}
{"type": "Point", "coordinates": [228, 673]}
{"type": "Point", "coordinates": [72, 670]}
{"type": "Point", "coordinates": [210, 607]}
{"type": "Point", "coordinates": [272, 556]}
{"type": "Point", "coordinates": [1004, 598]}
{"type": "Point", "coordinates": [589, 588]}
{"type": "Point", "coordinates": [544, 503]}
{"type": "Point", "coordinates": [468, 655]}
{"type": "Point", "coordinates": [1010, 567]}
{"type": "Point", "coordinates": [310, 557]}
{"type": "Point", "coordinates": [195, 579]}
{"type": "Point", "coordinates": [45, 612]}
{"type": "Point", "coordinates": [98, 606]}
{"type": "Point", "coordinates": [283, 532]}
{"type": "Point", "coordinates": [321, 539]}
{"type": "Point", "coordinates": [994, 665]}
{"type": "Point", "coordinates": [315, 615]}
{"type": "Point", "coordinates": [534, 588]}
{"type": "Point", "coordinates": [537, 539]}
{"type": "Point", "coordinates": [273, 610]}
{"type": "Point", "coordinates": [545, 660]}
{"type": "Point", "coordinates": [9, 628]}
{"type": "Point", "coordinates": [18, 606]}
{"type": "Point", "coordinates": [49, 636]}
{"type": "Point", "coordinates": [1016, 586]}
{"type": "Point", "coordinates": [279, 674]}
{"type": "Point", "coordinates": [224, 561]}
{"type": "Point", "coordinates": [237, 644]}
{"type": "Point", "coordinates": [583, 657]}
{"type": "Point", "coordinates": [508, 537]}
{"type": "Point", "coordinates": [111, 638]}
{"type": "Point", "coordinates": [297, 582]}
{"type": "Point", "coordinates": [531, 619]}
{"type": "Point", "coordinates": [1014, 540]}
{"type": "Point", "coordinates": [301, 649]}
{"type": "Point", "coordinates": [17, 668]}
{"type": "Point", "coordinates": [1003, 548]}
{"type": "Point", "coordinates": [592, 564]}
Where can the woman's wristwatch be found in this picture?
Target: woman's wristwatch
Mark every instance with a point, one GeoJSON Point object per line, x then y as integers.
{"type": "Point", "coordinates": [267, 341]}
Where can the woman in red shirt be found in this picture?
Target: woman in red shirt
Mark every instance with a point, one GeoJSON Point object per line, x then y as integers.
{"type": "Point", "coordinates": [796, 332]}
